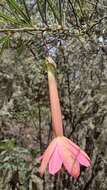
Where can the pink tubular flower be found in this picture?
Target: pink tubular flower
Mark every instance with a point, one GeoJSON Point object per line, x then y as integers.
{"type": "Point", "coordinates": [54, 100]}
{"type": "Point", "coordinates": [63, 151]}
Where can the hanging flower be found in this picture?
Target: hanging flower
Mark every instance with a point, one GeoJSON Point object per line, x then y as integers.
{"type": "Point", "coordinates": [61, 151]}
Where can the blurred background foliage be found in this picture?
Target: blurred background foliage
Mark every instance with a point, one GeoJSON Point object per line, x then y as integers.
{"type": "Point", "coordinates": [74, 34]}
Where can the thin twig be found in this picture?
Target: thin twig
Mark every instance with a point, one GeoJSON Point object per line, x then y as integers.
{"type": "Point", "coordinates": [35, 29]}
{"type": "Point", "coordinates": [52, 29]}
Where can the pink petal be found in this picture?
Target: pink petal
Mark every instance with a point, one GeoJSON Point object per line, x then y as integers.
{"type": "Point", "coordinates": [72, 146]}
{"type": "Point", "coordinates": [55, 162]}
{"type": "Point", "coordinates": [46, 156]}
{"type": "Point", "coordinates": [71, 165]}
{"type": "Point", "coordinates": [75, 171]}
{"type": "Point", "coordinates": [84, 159]}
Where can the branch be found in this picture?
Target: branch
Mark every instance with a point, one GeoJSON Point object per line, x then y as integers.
{"type": "Point", "coordinates": [54, 28]}
{"type": "Point", "coordinates": [29, 29]}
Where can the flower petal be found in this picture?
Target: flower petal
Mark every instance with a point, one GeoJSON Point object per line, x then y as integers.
{"type": "Point", "coordinates": [55, 162]}
{"type": "Point", "coordinates": [81, 156]}
{"type": "Point", "coordinates": [83, 159]}
{"type": "Point", "coordinates": [72, 146]}
{"type": "Point", "coordinates": [75, 171]}
{"type": "Point", "coordinates": [71, 165]}
{"type": "Point", "coordinates": [46, 156]}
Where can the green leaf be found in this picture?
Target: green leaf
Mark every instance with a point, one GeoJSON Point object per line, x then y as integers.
{"type": "Point", "coordinates": [3, 39]}
{"type": "Point", "coordinates": [7, 144]}
{"type": "Point", "coordinates": [41, 10]}
{"type": "Point", "coordinates": [26, 9]}
{"type": "Point", "coordinates": [5, 42]}
{"type": "Point", "coordinates": [2, 22]}
{"type": "Point", "coordinates": [53, 9]}
{"type": "Point", "coordinates": [18, 10]}
{"type": "Point", "coordinates": [8, 18]}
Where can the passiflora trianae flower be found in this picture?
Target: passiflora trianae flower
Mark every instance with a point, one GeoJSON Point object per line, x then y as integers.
{"type": "Point", "coordinates": [61, 151]}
